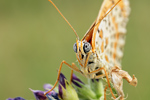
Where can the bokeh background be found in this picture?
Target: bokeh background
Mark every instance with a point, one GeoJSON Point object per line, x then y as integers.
{"type": "Point", "coordinates": [34, 39]}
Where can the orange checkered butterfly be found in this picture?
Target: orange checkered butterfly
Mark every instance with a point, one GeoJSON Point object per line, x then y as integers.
{"type": "Point", "coordinates": [100, 51]}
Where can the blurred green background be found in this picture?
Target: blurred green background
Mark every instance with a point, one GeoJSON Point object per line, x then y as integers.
{"type": "Point", "coordinates": [34, 39]}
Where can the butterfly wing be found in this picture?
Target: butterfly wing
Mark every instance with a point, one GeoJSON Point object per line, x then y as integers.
{"type": "Point", "coordinates": [108, 36]}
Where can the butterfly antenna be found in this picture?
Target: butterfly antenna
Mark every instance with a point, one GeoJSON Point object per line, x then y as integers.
{"type": "Point", "coordinates": [110, 10]}
{"type": "Point", "coordinates": [64, 18]}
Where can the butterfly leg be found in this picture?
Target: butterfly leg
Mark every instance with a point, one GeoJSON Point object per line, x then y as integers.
{"type": "Point", "coordinates": [71, 76]}
{"type": "Point", "coordinates": [117, 76]}
{"type": "Point", "coordinates": [73, 67]}
{"type": "Point", "coordinates": [105, 93]}
{"type": "Point", "coordinates": [100, 76]}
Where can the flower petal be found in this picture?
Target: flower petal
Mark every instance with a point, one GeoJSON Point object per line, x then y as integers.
{"type": "Point", "coordinates": [69, 93]}
{"type": "Point", "coordinates": [39, 95]}
{"type": "Point", "coordinates": [17, 98]}
{"type": "Point", "coordinates": [66, 91]}
{"type": "Point", "coordinates": [47, 86]}
{"type": "Point", "coordinates": [76, 81]}
{"type": "Point", "coordinates": [60, 91]}
{"type": "Point", "coordinates": [74, 77]}
{"type": "Point", "coordinates": [62, 80]}
{"type": "Point", "coordinates": [52, 97]}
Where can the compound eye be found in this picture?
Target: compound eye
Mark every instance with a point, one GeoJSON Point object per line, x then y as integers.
{"type": "Point", "coordinates": [86, 47]}
{"type": "Point", "coordinates": [75, 47]}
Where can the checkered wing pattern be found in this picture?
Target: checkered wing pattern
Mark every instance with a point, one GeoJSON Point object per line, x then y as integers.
{"type": "Point", "coordinates": [109, 33]}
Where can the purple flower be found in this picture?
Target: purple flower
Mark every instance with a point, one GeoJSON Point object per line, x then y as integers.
{"type": "Point", "coordinates": [47, 87]}
{"type": "Point", "coordinates": [61, 83]}
{"type": "Point", "coordinates": [92, 91]}
{"type": "Point", "coordinates": [62, 79]}
{"type": "Point", "coordinates": [84, 91]}
{"type": "Point", "coordinates": [17, 98]}
{"type": "Point", "coordinates": [52, 96]}
{"type": "Point", "coordinates": [60, 91]}
{"type": "Point", "coordinates": [66, 91]}
{"type": "Point", "coordinates": [39, 95]}
{"type": "Point", "coordinates": [76, 80]}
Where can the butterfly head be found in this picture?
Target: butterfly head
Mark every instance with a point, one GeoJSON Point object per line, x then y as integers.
{"type": "Point", "coordinates": [82, 50]}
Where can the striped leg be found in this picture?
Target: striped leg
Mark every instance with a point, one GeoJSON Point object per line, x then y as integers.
{"type": "Point", "coordinates": [73, 67]}
{"type": "Point", "coordinates": [106, 78]}
{"type": "Point", "coordinates": [105, 93]}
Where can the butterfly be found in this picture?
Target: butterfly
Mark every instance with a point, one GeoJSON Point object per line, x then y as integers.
{"type": "Point", "coordinates": [100, 51]}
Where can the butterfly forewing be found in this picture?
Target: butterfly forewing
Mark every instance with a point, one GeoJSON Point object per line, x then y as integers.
{"type": "Point", "coordinates": [109, 34]}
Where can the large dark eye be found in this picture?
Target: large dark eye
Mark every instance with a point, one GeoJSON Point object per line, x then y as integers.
{"type": "Point", "coordinates": [86, 47]}
{"type": "Point", "coordinates": [75, 47]}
